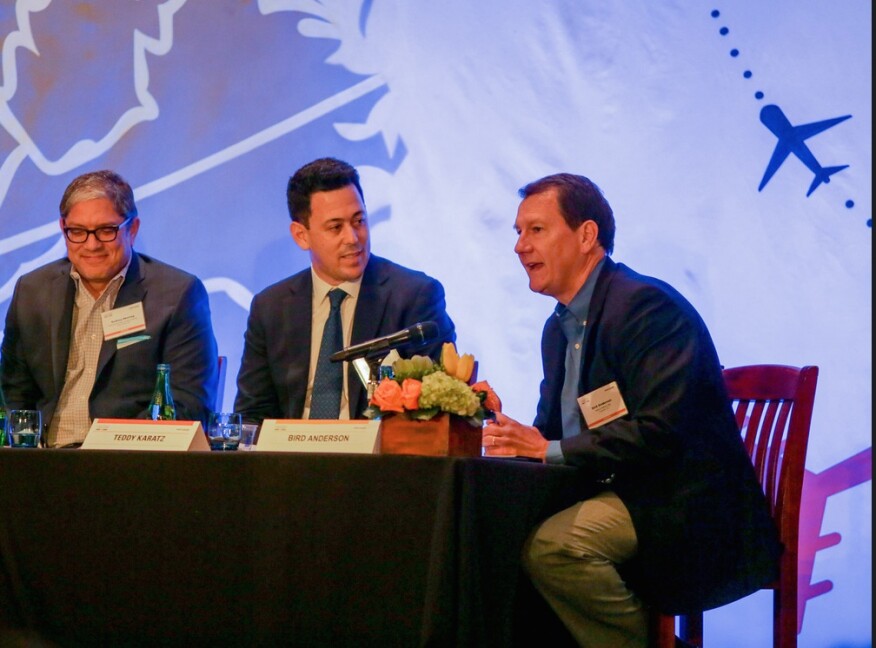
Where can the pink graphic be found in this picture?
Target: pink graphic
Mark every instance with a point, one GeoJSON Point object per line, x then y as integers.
{"type": "Point", "coordinates": [855, 470]}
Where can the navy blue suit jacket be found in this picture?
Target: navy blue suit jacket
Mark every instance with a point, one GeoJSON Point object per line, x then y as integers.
{"type": "Point", "coordinates": [676, 459]}
{"type": "Point", "coordinates": [36, 343]}
{"type": "Point", "coordinates": [272, 382]}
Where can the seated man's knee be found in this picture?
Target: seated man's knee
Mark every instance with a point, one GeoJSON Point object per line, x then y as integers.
{"type": "Point", "coordinates": [532, 554]}
{"type": "Point", "coordinates": [542, 551]}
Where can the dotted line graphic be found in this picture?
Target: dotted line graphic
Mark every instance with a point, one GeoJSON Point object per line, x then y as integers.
{"type": "Point", "coordinates": [759, 95]}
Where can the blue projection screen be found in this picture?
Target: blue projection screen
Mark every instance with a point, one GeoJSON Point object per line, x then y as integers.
{"type": "Point", "coordinates": [733, 140]}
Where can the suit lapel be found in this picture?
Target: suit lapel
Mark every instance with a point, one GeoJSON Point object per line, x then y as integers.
{"type": "Point", "coordinates": [554, 351]}
{"type": "Point", "coordinates": [62, 293]}
{"type": "Point", "coordinates": [299, 306]}
{"type": "Point", "coordinates": [370, 307]}
{"type": "Point", "coordinates": [367, 320]}
{"type": "Point", "coordinates": [597, 304]}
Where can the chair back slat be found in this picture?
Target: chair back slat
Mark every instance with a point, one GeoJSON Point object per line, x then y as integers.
{"type": "Point", "coordinates": [772, 438]}
{"type": "Point", "coordinates": [777, 454]}
{"type": "Point", "coordinates": [765, 437]}
{"type": "Point", "coordinates": [750, 423]}
{"type": "Point", "coordinates": [742, 407]}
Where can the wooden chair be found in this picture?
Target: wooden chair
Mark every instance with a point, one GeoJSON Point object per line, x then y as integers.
{"type": "Point", "coordinates": [773, 406]}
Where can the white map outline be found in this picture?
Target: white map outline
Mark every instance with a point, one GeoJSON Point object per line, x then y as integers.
{"type": "Point", "coordinates": [86, 150]}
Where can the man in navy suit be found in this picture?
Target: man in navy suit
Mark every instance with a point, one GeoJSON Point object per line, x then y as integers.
{"type": "Point", "coordinates": [84, 334]}
{"type": "Point", "coordinates": [287, 320]}
{"type": "Point", "coordinates": [673, 517]}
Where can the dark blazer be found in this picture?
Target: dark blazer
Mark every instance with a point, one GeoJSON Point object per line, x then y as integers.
{"type": "Point", "coordinates": [36, 343]}
{"type": "Point", "coordinates": [272, 382]}
{"type": "Point", "coordinates": [676, 459]}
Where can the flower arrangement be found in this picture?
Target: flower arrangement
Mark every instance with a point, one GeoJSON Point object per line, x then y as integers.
{"type": "Point", "coordinates": [422, 389]}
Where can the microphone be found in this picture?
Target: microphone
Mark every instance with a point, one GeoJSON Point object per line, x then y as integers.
{"type": "Point", "coordinates": [419, 333]}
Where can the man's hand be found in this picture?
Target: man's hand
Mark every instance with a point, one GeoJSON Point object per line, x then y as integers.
{"type": "Point", "coordinates": [505, 437]}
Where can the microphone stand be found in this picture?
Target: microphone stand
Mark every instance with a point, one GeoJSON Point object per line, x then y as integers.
{"type": "Point", "coordinates": [374, 361]}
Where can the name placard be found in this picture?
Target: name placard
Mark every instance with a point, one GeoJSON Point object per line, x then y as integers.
{"type": "Point", "coordinates": [302, 435]}
{"type": "Point", "coordinates": [137, 434]}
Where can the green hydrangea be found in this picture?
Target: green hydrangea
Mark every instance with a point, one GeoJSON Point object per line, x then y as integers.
{"type": "Point", "coordinates": [448, 395]}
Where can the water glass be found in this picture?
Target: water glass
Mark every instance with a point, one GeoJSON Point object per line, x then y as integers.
{"type": "Point", "coordinates": [247, 436]}
{"type": "Point", "coordinates": [24, 428]}
{"type": "Point", "coordinates": [223, 430]}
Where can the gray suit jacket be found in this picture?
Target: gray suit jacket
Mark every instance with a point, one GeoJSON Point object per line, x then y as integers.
{"type": "Point", "coordinates": [272, 382]}
{"type": "Point", "coordinates": [36, 343]}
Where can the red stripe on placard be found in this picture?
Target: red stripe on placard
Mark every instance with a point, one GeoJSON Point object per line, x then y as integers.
{"type": "Point", "coordinates": [142, 421]}
{"type": "Point", "coordinates": [136, 327]}
{"type": "Point", "coordinates": [610, 417]}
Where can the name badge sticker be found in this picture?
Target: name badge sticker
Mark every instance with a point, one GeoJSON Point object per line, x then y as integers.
{"type": "Point", "coordinates": [602, 405]}
{"type": "Point", "coordinates": [123, 321]}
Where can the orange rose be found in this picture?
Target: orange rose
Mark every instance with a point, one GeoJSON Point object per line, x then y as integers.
{"type": "Point", "coordinates": [388, 396]}
{"type": "Point", "coordinates": [491, 401]}
{"type": "Point", "coordinates": [411, 389]}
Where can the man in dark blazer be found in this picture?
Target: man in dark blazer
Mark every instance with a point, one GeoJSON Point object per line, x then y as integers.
{"type": "Point", "coordinates": [632, 394]}
{"type": "Point", "coordinates": [77, 345]}
{"type": "Point", "coordinates": [286, 321]}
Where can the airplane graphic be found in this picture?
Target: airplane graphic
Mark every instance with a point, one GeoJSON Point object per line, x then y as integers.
{"type": "Point", "coordinates": [791, 140]}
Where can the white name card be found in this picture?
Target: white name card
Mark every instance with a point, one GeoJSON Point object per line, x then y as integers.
{"type": "Point", "coordinates": [138, 434]}
{"type": "Point", "coordinates": [602, 405]}
{"type": "Point", "coordinates": [302, 435]}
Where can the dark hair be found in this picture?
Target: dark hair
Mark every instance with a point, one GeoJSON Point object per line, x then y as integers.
{"type": "Point", "coordinates": [580, 200]}
{"type": "Point", "coordinates": [100, 184]}
{"type": "Point", "coordinates": [324, 174]}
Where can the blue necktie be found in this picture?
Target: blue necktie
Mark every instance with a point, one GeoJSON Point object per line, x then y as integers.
{"type": "Point", "coordinates": [328, 382]}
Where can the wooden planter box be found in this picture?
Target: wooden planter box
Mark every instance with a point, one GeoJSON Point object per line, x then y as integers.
{"type": "Point", "coordinates": [443, 436]}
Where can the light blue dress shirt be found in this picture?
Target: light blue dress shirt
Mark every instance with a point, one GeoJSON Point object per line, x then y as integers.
{"type": "Point", "coordinates": [573, 321]}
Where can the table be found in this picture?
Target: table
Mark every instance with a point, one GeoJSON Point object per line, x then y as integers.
{"type": "Point", "coordinates": [262, 549]}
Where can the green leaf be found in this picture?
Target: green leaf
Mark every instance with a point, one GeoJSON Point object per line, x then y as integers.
{"type": "Point", "coordinates": [371, 412]}
{"type": "Point", "coordinates": [478, 419]}
{"type": "Point", "coordinates": [424, 414]}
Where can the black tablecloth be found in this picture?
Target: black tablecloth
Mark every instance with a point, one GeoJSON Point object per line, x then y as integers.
{"type": "Point", "coordinates": [260, 549]}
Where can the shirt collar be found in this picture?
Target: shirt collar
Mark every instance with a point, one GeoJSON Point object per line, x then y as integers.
{"type": "Point", "coordinates": [113, 285]}
{"type": "Point", "coordinates": [579, 307]}
{"type": "Point", "coordinates": [322, 287]}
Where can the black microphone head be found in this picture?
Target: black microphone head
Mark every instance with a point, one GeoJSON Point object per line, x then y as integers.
{"type": "Point", "coordinates": [414, 335]}
{"type": "Point", "coordinates": [423, 332]}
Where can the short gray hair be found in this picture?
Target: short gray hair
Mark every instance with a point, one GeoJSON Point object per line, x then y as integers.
{"type": "Point", "coordinates": [100, 184]}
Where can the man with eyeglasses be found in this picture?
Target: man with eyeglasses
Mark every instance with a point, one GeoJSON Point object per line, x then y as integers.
{"type": "Point", "coordinates": [84, 334]}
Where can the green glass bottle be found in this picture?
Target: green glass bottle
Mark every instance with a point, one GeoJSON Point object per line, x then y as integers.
{"type": "Point", "coordinates": [161, 408]}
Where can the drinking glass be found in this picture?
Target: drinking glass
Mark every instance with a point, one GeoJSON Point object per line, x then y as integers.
{"type": "Point", "coordinates": [247, 436]}
{"type": "Point", "coordinates": [24, 428]}
{"type": "Point", "coordinates": [223, 430]}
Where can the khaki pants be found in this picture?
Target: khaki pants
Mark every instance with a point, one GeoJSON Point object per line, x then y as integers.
{"type": "Point", "coordinates": [572, 558]}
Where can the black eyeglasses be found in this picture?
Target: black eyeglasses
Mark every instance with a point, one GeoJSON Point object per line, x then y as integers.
{"type": "Point", "coordinates": [106, 234]}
